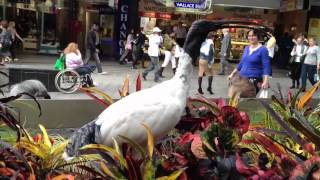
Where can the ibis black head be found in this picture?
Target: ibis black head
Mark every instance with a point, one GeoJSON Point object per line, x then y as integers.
{"type": "Point", "coordinates": [200, 29]}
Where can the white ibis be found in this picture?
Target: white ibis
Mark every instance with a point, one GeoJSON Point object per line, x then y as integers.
{"type": "Point", "coordinates": [160, 107]}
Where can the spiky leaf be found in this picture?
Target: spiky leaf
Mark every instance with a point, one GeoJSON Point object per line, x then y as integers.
{"type": "Point", "coordinates": [150, 140]}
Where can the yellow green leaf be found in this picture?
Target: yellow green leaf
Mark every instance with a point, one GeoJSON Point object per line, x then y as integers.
{"type": "Point", "coordinates": [34, 149]}
{"type": "Point", "coordinates": [116, 146]}
{"type": "Point", "coordinates": [46, 139]}
{"type": "Point", "coordinates": [150, 140]}
{"type": "Point", "coordinates": [59, 148]}
{"type": "Point", "coordinates": [173, 176]}
{"type": "Point", "coordinates": [135, 145]}
{"type": "Point", "coordinates": [107, 171]}
{"type": "Point", "coordinates": [148, 170]}
{"type": "Point", "coordinates": [234, 100]}
{"type": "Point", "coordinates": [113, 152]}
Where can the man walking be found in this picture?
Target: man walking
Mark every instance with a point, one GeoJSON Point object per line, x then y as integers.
{"type": "Point", "coordinates": [91, 48]}
{"type": "Point", "coordinates": [155, 41]}
{"type": "Point", "coordinates": [225, 51]}
{"type": "Point", "coordinates": [181, 33]}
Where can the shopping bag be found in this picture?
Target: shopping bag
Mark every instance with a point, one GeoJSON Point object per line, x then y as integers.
{"type": "Point", "coordinates": [316, 77]}
{"type": "Point", "coordinates": [264, 94]}
{"type": "Point", "coordinates": [59, 64]}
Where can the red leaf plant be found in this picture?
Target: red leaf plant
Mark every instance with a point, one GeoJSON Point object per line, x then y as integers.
{"type": "Point", "coordinates": [231, 117]}
{"type": "Point", "coordinates": [309, 169]}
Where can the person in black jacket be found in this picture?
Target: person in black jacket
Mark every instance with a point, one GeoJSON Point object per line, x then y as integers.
{"type": "Point", "coordinates": [137, 50]}
{"type": "Point", "coordinates": [91, 48]}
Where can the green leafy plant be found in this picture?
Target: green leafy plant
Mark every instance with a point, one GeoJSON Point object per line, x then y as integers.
{"type": "Point", "coordinates": [123, 164]}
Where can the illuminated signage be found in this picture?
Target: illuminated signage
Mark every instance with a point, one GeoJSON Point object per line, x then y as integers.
{"type": "Point", "coordinates": [190, 4]}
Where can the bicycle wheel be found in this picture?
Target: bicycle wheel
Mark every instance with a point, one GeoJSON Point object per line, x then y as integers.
{"type": "Point", "coordinates": [67, 81]}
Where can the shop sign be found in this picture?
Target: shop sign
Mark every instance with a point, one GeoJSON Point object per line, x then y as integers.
{"type": "Point", "coordinates": [166, 16]}
{"type": "Point", "coordinates": [154, 6]}
{"type": "Point", "coordinates": [105, 9]}
{"type": "Point", "coordinates": [122, 25]}
{"type": "Point", "coordinates": [191, 5]}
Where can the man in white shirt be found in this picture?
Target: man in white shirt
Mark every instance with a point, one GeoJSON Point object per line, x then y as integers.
{"type": "Point", "coordinates": [155, 40]}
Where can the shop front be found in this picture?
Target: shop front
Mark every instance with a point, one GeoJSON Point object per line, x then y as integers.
{"type": "Point", "coordinates": [293, 16]}
{"type": "Point", "coordinates": [167, 14]}
{"type": "Point", "coordinates": [314, 21]}
{"type": "Point", "coordinates": [239, 35]}
{"type": "Point", "coordinates": [37, 23]}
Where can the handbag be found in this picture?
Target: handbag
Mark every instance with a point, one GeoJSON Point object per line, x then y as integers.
{"type": "Point", "coordinates": [59, 64]}
{"type": "Point", "coordinates": [303, 57]}
{"type": "Point", "coordinates": [264, 94]}
{"type": "Point", "coordinates": [241, 85]}
{"type": "Point", "coordinates": [292, 59]}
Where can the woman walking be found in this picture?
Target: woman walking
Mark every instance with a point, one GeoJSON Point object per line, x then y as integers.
{"type": "Point", "coordinates": [311, 64]}
{"type": "Point", "coordinates": [255, 63]}
{"type": "Point", "coordinates": [298, 54]}
{"type": "Point", "coordinates": [14, 35]}
{"type": "Point", "coordinates": [128, 47]}
{"type": "Point", "coordinates": [205, 63]}
{"type": "Point", "coordinates": [5, 42]}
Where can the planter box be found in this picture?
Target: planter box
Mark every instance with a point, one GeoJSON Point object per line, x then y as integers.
{"type": "Point", "coordinates": [17, 75]}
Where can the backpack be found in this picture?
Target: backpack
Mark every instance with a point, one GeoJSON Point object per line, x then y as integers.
{"type": "Point", "coordinates": [5, 40]}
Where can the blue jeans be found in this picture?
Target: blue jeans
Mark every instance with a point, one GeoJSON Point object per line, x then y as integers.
{"type": "Point", "coordinates": [85, 69]}
{"type": "Point", "coordinates": [154, 66]}
{"type": "Point", "coordinates": [308, 71]}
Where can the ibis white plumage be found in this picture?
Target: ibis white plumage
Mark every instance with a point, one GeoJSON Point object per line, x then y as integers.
{"type": "Point", "coordinates": [160, 107]}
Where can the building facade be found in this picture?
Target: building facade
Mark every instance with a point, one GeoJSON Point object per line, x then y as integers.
{"type": "Point", "coordinates": [49, 25]}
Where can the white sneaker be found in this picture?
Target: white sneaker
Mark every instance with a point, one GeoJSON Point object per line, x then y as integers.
{"type": "Point", "coordinates": [103, 73]}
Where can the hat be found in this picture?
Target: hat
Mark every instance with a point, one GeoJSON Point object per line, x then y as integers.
{"type": "Point", "coordinates": [156, 29]}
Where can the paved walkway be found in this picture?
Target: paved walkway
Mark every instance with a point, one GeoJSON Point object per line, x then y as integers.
{"type": "Point", "coordinates": [111, 82]}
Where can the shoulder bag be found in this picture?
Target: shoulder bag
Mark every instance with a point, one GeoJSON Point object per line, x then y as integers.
{"type": "Point", "coordinates": [241, 85]}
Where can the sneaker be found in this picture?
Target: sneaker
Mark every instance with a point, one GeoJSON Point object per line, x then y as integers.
{"type": "Point", "coordinates": [103, 73]}
{"type": "Point", "coordinates": [15, 59]}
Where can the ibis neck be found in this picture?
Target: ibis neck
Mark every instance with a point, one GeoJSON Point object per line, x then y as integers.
{"type": "Point", "coordinates": [184, 71]}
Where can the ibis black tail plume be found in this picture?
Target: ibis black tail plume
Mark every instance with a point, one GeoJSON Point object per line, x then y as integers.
{"type": "Point", "coordinates": [88, 134]}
